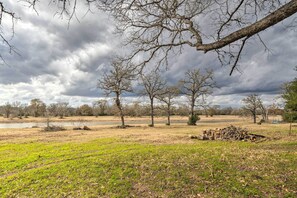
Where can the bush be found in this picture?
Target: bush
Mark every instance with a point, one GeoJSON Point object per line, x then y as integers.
{"type": "Point", "coordinates": [193, 119]}
{"type": "Point", "coordinates": [290, 116]}
{"type": "Point", "coordinates": [54, 128]}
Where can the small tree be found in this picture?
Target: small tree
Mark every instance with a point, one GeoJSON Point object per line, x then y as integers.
{"type": "Point", "coordinates": [52, 110]}
{"type": "Point", "coordinates": [196, 85]}
{"type": "Point", "coordinates": [18, 109]}
{"type": "Point", "coordinates": [62, 108]}
{"type": "Point", "coordinates": [38, 108]}
{"type": "Point", "coordinates": [100, 107]}
{"type": "Point", "coordinates": [7, 108]}
{"type": "Point", "coordinates": [252, 104]}
{"type": "Point", "coordinates": [135, 109]}
{"type": "Point", "coordinates": [117, 81]}
{"type": "Point", "coordinates": [264, 110]}
{"type": "Point", "coordinates": [154, 86]}
{"type": "Point", "coordinates": [85, 110]}
{"type": "Point", "coordinates": [170, 92]}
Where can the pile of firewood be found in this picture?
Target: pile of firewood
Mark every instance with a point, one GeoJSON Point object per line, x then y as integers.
{"type": "Point", "coordinates": [229, 133]}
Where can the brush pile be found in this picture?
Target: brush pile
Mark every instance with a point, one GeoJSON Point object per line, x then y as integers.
{"type": "Point", "coordinates": [230, 133]}
{"type": "Point", "coordinates": [53, 128]}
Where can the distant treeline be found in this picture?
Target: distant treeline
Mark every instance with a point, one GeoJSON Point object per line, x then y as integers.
{"type": "Point", "coordinates": [38, 108]}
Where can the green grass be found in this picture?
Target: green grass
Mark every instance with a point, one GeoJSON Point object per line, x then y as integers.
{"type": "Point", "coordinates": [114, 167]}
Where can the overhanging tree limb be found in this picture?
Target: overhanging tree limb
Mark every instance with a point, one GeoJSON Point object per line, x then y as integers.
{"type": "Point", "coordinates": [275, 17]}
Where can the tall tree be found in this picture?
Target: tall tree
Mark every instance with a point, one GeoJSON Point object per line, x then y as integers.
{"type": "Point", "coordinates": [153, 85]}
{"type": "Point", "coordinates": [156, 28]}
{"type": "Point", "coordinates": [196, 85]}
{"type": "Point", "coordinates": [290, 97]}
{"type": "Point", "coordinates": [169, 93]}
{"type": "Point", "coordinates": [118, 81]}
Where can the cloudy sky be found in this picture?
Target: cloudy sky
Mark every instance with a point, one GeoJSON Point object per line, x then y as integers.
{"type": "Point", "coordinates": [57, 62]}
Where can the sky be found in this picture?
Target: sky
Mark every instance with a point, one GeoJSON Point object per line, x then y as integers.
{"type": "Point", "coordinates": [61, 62]}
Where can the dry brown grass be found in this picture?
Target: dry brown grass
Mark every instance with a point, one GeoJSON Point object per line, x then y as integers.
{"type": "Point", "coordinates": [161, 134]}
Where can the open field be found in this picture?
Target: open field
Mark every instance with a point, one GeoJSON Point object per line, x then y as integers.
{"type": "Point", "coordinates": [113, 118]}
{"type": "Point", "coordinates": [148, 162]}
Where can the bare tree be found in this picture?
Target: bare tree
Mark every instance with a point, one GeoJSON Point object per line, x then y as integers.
{"type": "Point", "coordinates": [4, 15]}
{"type": "Point", "coordinates": [7, 108]}
{"type": "Point", "coordinates": [61, 109]}
{"type": "Point", "coordinates": [135, 109]}
{"type": "Point", "coordinates": [100, 107]}
{"type": "Point", "coordinates": [117, 81]}
{"type": "Point", "coordinates": [156, 28]}
{"type": "Point", "coordinates": [153, 86]}
{"type": "Point", "coordinates": [18, 108]}
{"type": "Point", "coordinates": [264, 110]}
{"type": "Point", "coordinates": [38, 108]}
{"type": "Point", "coordinates": [196, 85]}
{"type": "Point", "coordinates": [252, 104]}
{"type": "Point", "coordinates": [52, 110]}
{"type": "Point", "coordinates": [170, 92]}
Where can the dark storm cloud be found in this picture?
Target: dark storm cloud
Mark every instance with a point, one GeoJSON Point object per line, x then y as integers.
{"type": "Point", "coordinates": [47, 46]}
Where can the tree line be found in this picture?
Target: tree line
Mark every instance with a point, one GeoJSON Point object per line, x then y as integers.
{"type": "Point", "coordinates": [103, 107]}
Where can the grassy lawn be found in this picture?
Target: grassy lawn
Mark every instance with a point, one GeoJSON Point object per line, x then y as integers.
{"type": "Point", "coordinates": [147, 162]}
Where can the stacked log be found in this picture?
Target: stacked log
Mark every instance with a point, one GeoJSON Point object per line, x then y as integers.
{"type": "Point", "coordinates": [230, 133]}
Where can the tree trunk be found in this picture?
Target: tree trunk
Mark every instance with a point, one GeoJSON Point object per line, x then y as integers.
{"type": "Point", "coordinates": [255, 117]}
{"type": "Point", "coordinates": [192, 107]}
{"type": "Point", "coordinates": [118, 103]}
{"type": "Point", "coordinates": [168, 114]}
{"type": "Point", "coordinates": [152, 113]}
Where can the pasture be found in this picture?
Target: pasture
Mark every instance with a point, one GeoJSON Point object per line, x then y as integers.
{"type": "Point", "coordinates": [141, 161]}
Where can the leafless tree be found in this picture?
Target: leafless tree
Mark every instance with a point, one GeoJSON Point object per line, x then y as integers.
{"type": "Point", "coordinates": [18, 108]}
{"type": "Point", "coordinates": [156, 28]}
{"type": "Point", "coordinates": [252, 104]}
{"type": "Point", "coordinates": [100, 107]}
{"type": "Point", "coordinates": [169, 93]}
{"type": "Point", "coordinates": [4, 15]}
{"type": "Point", "coordinates": [154, 86]}
{"type": "Point", "coordinates": [61, 109]}
{"type": "Point", "coordinates": [7, 109]}
{"type": "Point", "coordinates": [135, 109]}
{"type": "Point", "coordinates": [264, 110]}
{"type": "Point", "coordinates": [52, 109]}
{"type": "Point", "coordinates": [37, 107]}
{"type": "Point", "coordinates": [117, 81]}
{"type": "Point", "coordinates": [196, 85]}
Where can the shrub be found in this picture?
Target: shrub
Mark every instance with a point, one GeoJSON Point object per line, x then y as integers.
{"type": "Point", "coordinates": [290, 116]}
{"type": "Point", "coordinates": [193, 119]}
{"type": "Point", "coordinates": [54, 128]}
